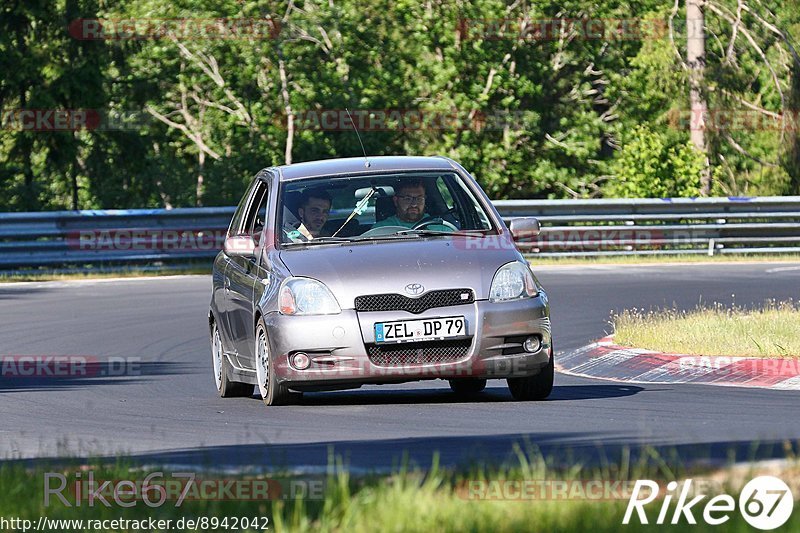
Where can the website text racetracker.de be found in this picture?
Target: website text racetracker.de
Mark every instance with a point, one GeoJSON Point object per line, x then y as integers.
{"type": "Point", "coordinates": [67, 366]}
{"type": "Point", "coordinates": [202, 523]}
{"type": "Point", "coordinates": [146, 239]}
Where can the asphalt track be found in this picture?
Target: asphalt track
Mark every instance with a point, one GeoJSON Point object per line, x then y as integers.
{"type": "Point", "coordinates": [170, 414]}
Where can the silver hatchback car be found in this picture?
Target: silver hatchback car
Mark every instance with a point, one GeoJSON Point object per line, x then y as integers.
{"type": "Point", "coordinates": [347, 272]}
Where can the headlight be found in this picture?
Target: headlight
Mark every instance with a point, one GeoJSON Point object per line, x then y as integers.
{"type": "Point", "coordinates": [305, 296]}
{"type": "Point", "coordinates": [513, 281]}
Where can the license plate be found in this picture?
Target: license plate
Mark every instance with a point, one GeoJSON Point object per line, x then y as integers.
{"type": "Point", "coordinates": [420, 330]}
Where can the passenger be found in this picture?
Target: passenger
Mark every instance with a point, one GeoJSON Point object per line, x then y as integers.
{"type": "Point", "coordinates": [314, 209]}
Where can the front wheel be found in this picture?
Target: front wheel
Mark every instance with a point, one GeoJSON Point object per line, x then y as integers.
{"type": "Point", "coordinates": [536, 387]}
{"type": "Point", "coordinates": [272, 392]}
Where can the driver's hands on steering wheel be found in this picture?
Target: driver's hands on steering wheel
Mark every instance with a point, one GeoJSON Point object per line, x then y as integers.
{"type": "Point", "coordinates": [435, 221]}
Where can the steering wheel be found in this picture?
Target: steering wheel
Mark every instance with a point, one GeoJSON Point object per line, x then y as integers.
{"type": "Point", "coordinates": [382, 230]}
{"type": "Point", "coordinates": [438, 221]}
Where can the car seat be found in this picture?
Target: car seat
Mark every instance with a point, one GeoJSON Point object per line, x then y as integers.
{"type": "Point", "coordinates": [384, 208]}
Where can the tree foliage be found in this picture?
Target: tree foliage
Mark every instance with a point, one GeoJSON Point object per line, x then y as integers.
{"type": "Point", "coordinates": [565, 112]}
{"type": "Point", "coordinates": [648, 166]}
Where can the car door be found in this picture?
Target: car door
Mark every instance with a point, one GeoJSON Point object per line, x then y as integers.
{"type": "Point", "coordinates": [242, 276]}
{"type": "Point", "coordinates": [262, 269]}
{"type": "Point", "coordinates": [222, 266]}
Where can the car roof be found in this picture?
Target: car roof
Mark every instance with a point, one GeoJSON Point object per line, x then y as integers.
{"type": "Point", "coordinates": [356, 165]}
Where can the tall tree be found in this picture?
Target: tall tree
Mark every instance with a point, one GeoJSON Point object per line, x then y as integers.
{"type": "Point", "coordinates": [696, 62]}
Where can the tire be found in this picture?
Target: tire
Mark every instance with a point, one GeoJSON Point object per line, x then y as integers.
{"type": "Point", "coordinates": [226, 387]}
{"type": "Point", "coordinates": [272, 392]}
{"type": "Point", "coordinates": [467, 386]}
{"type": "Point", "coordinates": [536, 387]}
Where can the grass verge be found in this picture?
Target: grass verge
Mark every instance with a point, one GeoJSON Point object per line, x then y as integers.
{"type": "Point", "coordinates": [769, 331]}
{"type": "Point", "coordinates": [483, 499]}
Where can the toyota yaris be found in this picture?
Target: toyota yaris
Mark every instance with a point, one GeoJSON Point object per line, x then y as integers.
{"type": "Point", "coordinates": [345, 272]}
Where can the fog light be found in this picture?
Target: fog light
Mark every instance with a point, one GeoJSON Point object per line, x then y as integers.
{"type": "Point", "coordinates": [300, 361]}
{"type": "Point", "coordinates": [532, 344]}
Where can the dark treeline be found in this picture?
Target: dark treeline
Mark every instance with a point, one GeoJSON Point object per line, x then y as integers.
{"type": "Point", "coordinates": [149, 103]}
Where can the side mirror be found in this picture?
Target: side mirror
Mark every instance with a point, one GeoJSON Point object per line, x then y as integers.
{"type": "Point", "coordinates": [524, 228]}
{"type": "Point", "coordinates": [240, 246]}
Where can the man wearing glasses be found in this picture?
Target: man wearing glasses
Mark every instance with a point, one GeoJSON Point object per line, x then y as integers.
{"type": "Point", "coordinates": [409, 204]}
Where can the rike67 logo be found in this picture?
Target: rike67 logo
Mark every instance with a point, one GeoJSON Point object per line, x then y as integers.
{"type": "Point", "coordinates": [765, 503]}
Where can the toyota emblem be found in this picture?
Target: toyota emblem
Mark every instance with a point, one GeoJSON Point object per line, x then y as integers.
{"type": "Point", "coordinates": [414, 288]}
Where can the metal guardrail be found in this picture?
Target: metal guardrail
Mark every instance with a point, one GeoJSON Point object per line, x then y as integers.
{"type": "Point", "coordinates": [660, 226]}
{"type": "Point", "coordinates": [71, 239]}
{"type": "Point", "coordinates": [111, 237]}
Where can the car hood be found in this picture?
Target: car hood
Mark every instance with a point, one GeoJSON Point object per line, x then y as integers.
{"type": "Point", "coordinates": [382, 267]}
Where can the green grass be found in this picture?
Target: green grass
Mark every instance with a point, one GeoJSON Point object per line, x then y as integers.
{"type": "Point", "coordinates": [770, 331]}
{"type": "Point", "coordinates": [408, 500]}
{"type": "Point", "coordinates": [660, 259]}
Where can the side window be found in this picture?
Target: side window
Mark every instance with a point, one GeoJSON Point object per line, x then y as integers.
{"type": "Point", "coordinates": [444, 190]}
{"type": "Point", "coordinates": [472, 208]}
{"type": "Point", "coordinates": [236, 222]}
{"type": "Point", "coordinates": [257, 212]}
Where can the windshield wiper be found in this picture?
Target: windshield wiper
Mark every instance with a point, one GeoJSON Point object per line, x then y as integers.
{"type": "Point", "coordinates": [320, 240]}
{"type": "Point", "coordinates": [463, 233]}
{"type": "Point", "coordinates": [386, 237]}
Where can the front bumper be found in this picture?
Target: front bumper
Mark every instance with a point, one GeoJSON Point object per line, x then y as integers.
{"type": "Point", "coordinates": [338, 345]}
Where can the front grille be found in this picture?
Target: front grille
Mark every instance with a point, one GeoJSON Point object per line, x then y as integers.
{"type": "Point", "coordinates": [429, 300]}
{"type": "Point", "coordinates": [418, 352]}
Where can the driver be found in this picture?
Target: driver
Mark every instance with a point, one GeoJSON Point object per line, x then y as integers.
{"type": "Point", "coordinates": [409, 205]}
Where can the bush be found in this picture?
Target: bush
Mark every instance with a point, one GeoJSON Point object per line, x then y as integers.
{"type": "Point", "coordinates": [650, 166]}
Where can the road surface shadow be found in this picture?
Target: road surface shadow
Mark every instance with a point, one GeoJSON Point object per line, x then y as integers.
{"type": "Point", "coordinates": [22, 291]}
{"type": "Point", "coordinates": [559, 450]}
{"type": "Point", "coordinates": [20, 373]}
{"type": "Point", "coordinates": [445, 395]}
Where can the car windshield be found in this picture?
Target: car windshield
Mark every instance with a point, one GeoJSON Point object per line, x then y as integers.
{"type": "Point", "coordinates": [385, 206]}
